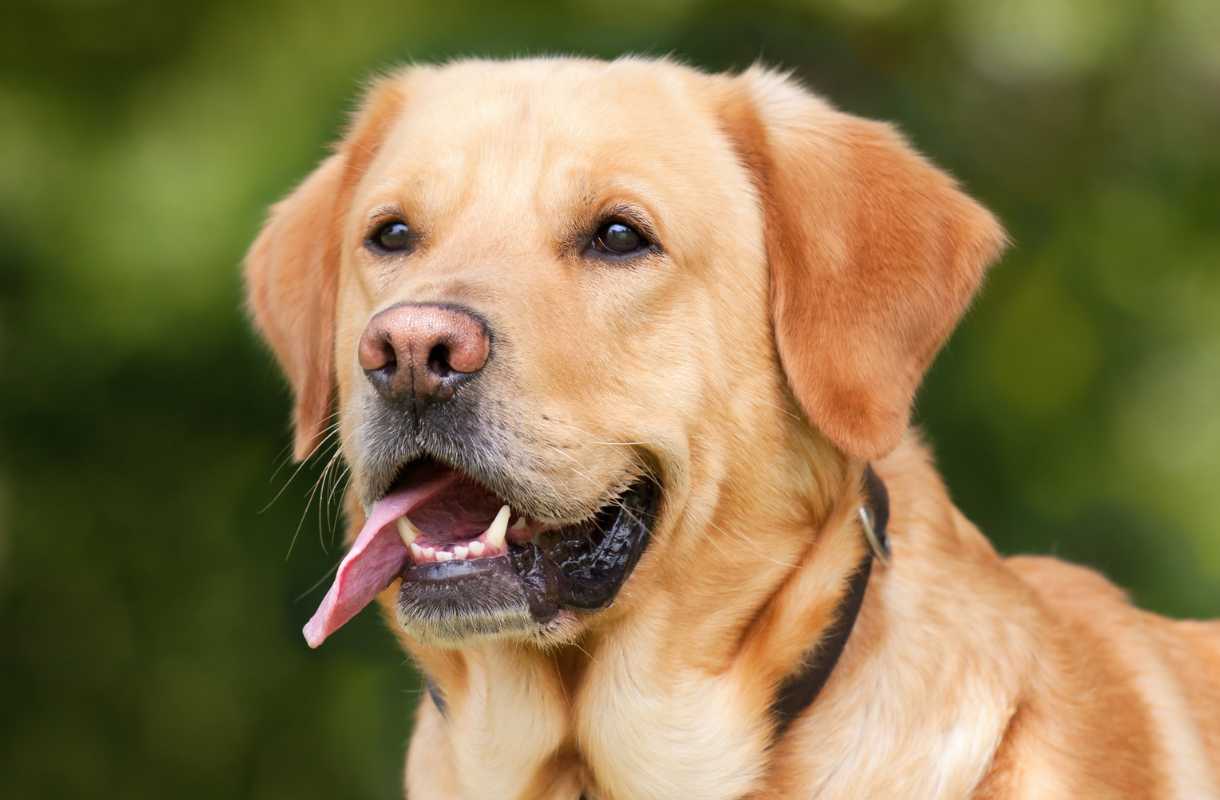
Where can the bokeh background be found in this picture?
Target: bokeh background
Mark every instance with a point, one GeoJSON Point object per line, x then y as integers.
{"type": "Point", "coordinates": [149, 608]}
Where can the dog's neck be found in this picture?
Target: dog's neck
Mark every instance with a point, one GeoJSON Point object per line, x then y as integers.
{"type": "Point", "coordinates": [801, 687]}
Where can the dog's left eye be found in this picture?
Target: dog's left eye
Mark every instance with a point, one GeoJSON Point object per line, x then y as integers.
{"type": "Point", "coordinates": [391, 237]}
{"type": "Point", "coordinates": [616, 238]}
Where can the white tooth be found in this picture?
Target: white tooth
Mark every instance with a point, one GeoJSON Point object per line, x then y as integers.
{"type": "Point", "coordinates": [476, 549]}
{"type": "Point", "coordinates": [429, 554]}
{"type": "Point", "coordinates": [459, 553]}
{"type": "Point", "coordinates": [519, 525]}
{"type": "Point", "coordinates": [498, 529]}
{"type": "Point", "coordinates": [444, 555]}
{"type": "Point", "coordinates": [407, 531]}
{"type": "Point", "coordinates": [417, 553]}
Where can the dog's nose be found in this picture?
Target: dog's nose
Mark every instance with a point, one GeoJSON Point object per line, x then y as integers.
{"type": "Point", "coordinates": [422, 352]}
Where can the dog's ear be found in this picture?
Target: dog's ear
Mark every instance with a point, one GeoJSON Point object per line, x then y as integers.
{"type": "Point", "coordinates": [292, 280]}
{"type": "Point", "coordinates": [874, 255]}
{"type": "Point", "coordinates": [292, 269]}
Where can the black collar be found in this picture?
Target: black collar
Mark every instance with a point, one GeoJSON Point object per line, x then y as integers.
{"type": "Point", "coordinates": [801, 688]}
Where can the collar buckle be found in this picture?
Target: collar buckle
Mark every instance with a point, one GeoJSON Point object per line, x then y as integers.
{"type": "Point", "coordinates": [875, 515]}
{"type": "Point", "coordinates": [879, 546]}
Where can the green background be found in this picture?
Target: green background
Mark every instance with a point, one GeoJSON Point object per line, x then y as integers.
{"type": "Point", "coordinates": [150, 614]}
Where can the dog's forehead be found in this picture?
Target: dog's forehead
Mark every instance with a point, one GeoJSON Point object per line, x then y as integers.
{"type": "Point", "coordinates": [589, 100]}
{"type": "Point", "coordinates": [495, 123]}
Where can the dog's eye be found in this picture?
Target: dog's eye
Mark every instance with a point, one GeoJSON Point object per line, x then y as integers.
{"type": "Point", "coordinates": [391, 237]}
{"type": "Point", "coordinates": [619, 239]}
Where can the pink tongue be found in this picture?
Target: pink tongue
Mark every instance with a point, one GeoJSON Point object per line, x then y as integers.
{"type": "Point", "coordinates": [375, 560]}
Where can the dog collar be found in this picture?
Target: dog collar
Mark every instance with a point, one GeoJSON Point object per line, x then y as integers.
{"type": "Point", "coordinates": [801, 688]}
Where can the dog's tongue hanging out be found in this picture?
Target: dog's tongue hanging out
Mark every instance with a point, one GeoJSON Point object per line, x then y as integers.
{"type": "Point", "coordinates": [375, 559]}
{"type": "Point", "coordinates": [450, 518]}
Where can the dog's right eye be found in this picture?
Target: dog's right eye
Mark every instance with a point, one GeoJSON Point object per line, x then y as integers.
{"type": "Point", "coordinates": [615, 239]}
{"type": "Point", "coordinates": [393, 236]}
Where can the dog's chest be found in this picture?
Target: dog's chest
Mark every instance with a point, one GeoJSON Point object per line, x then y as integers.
{"type": "Point", "coordinates": [625, 732]}
{"type": "Point", "coordinates": [651, 736]}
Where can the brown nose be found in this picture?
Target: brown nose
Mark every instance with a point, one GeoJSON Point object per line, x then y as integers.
{"type": "Point", "coordinates": [421, 353]}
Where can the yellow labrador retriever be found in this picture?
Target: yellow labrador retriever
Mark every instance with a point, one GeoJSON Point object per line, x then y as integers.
{"type": "Point", "coordinates": [623, 356]}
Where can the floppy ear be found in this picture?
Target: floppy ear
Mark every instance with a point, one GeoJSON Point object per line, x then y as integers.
{"type": "Point", "coordinates": [292, 269]}
{"type": "Point", "coordinates": [874, 255]}
{"type": "Point", "coordinates": [292, 278]}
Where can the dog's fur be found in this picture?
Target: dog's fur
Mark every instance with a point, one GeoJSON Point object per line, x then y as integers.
{"type": "Point", "coordinates": [813, 264]}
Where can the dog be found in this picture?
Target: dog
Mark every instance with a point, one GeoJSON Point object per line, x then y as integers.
{"type": "Point", "coordinates": [622, 356]}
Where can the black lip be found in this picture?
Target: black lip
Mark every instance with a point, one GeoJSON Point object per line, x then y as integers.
{"type": "Point", "coordinates": [587, 573]}
{"type": "Point", "coordinates": [581, 567]}
{"type": "Point", "coordinates": [459, 589]}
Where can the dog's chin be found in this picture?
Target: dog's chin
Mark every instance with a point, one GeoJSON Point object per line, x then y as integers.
{"type": "Point", "coordinates": [540, 588]}
{"type": "Point", "coordinates": [455, 628]}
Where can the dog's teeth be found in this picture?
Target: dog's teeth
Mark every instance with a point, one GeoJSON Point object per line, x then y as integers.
{"type": "Point", "coordinates": [407, 531]}
{"type": "Point", "coordinates": [417, 553]}
{"type": "Point", "coordinates": [429, 554]}
{"type": "Point", "coordinates": [476, 548]}
{"type": "Point", "coordinates": [498, 529]}
{"type": "Point", "coordinates": [444, 555]}
{"type": "Point", "coordinates": [519, 525]}
{"type": "Point", "coordinates": [459, 552]}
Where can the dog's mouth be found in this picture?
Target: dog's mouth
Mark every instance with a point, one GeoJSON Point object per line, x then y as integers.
{"type": "Point", "coordinates": [472, 565]}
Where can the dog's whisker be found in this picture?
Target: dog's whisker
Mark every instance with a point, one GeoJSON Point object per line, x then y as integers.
{"type": "Point", "coordinates": [284, 456]}
{"type": "Point", "coordinates": [595, 439]}
{"type": "Point", "coordinates": [576, 468]}
{"type": "Point", "coordinates": [559, 681]}
{"type": "Point", "coordinates": [338, 488]}
{"type": "Point", "coordinates": [313, 492]}
{"type": "Point", "coordinates": [324, 508]}
{"type": "Point", "coordinates": [323, 441]}
{"type": "Point", "coordinates": [313, 588]}
{"type": "Point", "coordinates": [742, 541]}
{"type": "Point", "coordinates": [332, 473]}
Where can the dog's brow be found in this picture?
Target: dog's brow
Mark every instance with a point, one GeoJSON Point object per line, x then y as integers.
{"type": "Point", "coordinates": [385, 210]}
{"type": "Point", "coordinates": [634, 214]}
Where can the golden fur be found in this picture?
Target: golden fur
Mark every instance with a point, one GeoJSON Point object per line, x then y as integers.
{"type": "Point", "coordinates": [813, 265]}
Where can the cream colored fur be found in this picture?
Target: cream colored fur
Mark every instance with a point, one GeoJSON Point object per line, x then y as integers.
{"type": "Point", "coordinates": [812, 265]}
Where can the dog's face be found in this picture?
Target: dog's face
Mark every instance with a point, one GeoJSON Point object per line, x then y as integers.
{"type": "Point", "coordinates": [569, 307]}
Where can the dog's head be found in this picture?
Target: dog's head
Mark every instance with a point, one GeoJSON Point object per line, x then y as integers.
{"type": "Point", "coordinates": [574, 311]}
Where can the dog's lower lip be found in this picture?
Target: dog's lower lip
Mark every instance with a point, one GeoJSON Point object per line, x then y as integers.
{"type": "Point", "coordinates": [445, 571]}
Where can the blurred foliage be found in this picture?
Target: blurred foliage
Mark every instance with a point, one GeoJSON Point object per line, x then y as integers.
{"type": "Point", "coordinates": [150, 612]}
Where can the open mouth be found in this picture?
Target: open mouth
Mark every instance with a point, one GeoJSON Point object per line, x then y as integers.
{"type": "Point", "coordinates": [470, 564]}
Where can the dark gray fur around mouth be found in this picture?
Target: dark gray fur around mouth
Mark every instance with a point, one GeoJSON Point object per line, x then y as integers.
{"type": "Point", "coordinates": [470, 435]}
{"type": "Point", "coordinates": [579, 568]}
